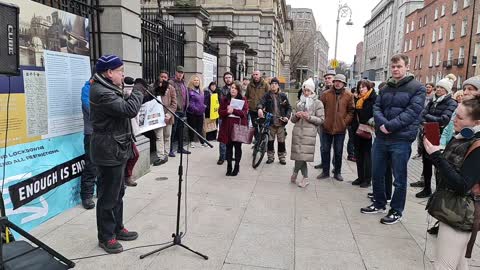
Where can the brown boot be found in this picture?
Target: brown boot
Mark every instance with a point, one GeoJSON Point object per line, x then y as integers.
{"type": "Point", "coordinates": [130, 182]}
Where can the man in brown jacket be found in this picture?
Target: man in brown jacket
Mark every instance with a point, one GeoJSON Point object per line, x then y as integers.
{"type": "Point", "coordinates": [339, 110]}
{"type": "Point", "coordinates": [255, 91]}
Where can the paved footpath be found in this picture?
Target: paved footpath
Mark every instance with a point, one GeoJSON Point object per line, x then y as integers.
{"type": "Point", "coordinates": [255, 221]}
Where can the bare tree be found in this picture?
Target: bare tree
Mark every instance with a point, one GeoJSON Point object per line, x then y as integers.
{"type": "Point", "coordinates": [301, 50]}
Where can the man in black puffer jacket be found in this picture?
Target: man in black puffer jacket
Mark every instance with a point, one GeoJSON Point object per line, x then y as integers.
{"type": "Point", "coordinates": [111, 147]}
{"type": "Point", "coordinates": [397, 113]}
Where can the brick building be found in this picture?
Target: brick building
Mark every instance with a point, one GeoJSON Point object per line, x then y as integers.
{"type": "Point", "coordinates": [437, 39]}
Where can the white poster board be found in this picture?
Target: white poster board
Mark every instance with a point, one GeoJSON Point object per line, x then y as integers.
{"type": "Point", "coordinates": [209, 69]}
{"type": "Point", "coordinates": [151, 116]}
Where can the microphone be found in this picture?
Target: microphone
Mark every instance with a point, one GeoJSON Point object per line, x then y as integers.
{"type": "Point", "coordinates": [129, 80]}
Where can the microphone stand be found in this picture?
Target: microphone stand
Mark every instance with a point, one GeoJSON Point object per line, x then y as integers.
{"type": "Point", "coordinates": [177, 235]}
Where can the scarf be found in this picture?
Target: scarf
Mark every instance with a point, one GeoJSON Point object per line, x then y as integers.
{"type": "Point", "coordinates": [436, 99]}
{"type": "Point", "coordinates": [475, 129]}
{"type": "Point", "coordinates": [362, 99]}
{"type": "Point", "coordinates": [307, 103]}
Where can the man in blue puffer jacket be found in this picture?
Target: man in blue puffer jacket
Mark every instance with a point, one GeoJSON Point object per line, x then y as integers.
{"type": "Point", "coordinates": [397, 113]}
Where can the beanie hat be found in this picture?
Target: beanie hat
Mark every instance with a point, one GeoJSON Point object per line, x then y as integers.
{"type": "Point", "coordinates": [473, 81]}
{"type": "Point", "coordinates": [309, 84]}
{"type": "Point", "coordinates": [447, 82]}
{"type": "Point", "coordinates": [107, 62]}
{"type": "Point", "coordinates": [274, 80]}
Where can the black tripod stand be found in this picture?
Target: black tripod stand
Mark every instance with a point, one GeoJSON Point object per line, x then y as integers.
{"type": "Point", "coordinates": [177, 235]}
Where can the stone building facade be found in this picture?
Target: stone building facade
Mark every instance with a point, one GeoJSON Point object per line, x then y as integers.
{"type": "Point", "coordinates": [358, 62]}
{"type": "Point", "coordinates": [438, 40]}
{"type": "Point", "coordinates": [384, 36]}
{"type": "Point", "coordinates": [321, 55]}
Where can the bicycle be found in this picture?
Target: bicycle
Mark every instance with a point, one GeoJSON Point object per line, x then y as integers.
{"type": "Point", "coordinates": [260, 146]}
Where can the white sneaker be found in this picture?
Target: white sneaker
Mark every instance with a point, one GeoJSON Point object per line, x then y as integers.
{"type": "Point", "coordinates": [303, 183]}
{"type": "Point", "coordinates": [204, 145]}
{"type": "Point", "coordinates": [192, 145]}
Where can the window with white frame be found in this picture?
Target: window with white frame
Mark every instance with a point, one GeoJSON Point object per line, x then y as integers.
{"type": "Point", "coordinates": [415, 63]}
{"type": "Point", "coordinates": [434, 35]}
{"type": "Point", "coordinates": [455, 6]}
{"type": "Point", "coordinates": [443, 10]}
{"type": "Point", "coordinates": [461, 54]}
{"type": "Point", "coordinates": [408, 29]}
{"type": "Point", "coordinates": [433, 79]}
{"type": "Point", "coordinates": [412, 28]}
{"type": "Point", "coordinates": [406, 46]}
{"type": "Point", "coordinates": [466, 3]}
{"type": "Point", "coordinates": [440, 33]}
{"type": "Point", "coordinates": [410, 45]}
{"type": "Point", "coordinates": [430, 62]}
{"type": "Point", "coordinates": [459, 82]}
{"type": "Point", "coordinates": [450, 55]}
{"type": "Point", "coordinates": [452, 31]}
{"type": "Point", "coordinates": [436, 14]}
{"type": "Point", "coordinates": [437, 61]}
{"type": "Point", "coordinates": [425, 20]}
{"type": "Point", "coordinates": [418, 41]}
{"type": "Point", "coordinates": [420, 60]}
{"type": "Point", "coordinates": [464, 28]}
{"type": "Point", "coordinates": [423, 40]}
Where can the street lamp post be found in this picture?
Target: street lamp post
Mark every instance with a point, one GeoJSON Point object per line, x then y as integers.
{"type": "Point", "coordinates": [343, 11]}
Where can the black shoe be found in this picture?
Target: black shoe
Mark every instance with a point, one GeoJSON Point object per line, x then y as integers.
{"type": "Point", "coordinates": [424, 194]}
{"type": "Point", "coordinates": [338, 177]}
{"type": "Point", "coordinates": [111, 246]}
{"type": "Point", "coordinates": [418, 184]}
{"type": "Point", "coordinates": [283, 162]}
{"type": "Point", "coordinates": [319, 166]}
{"type": "Point", "coordinates": [365, 184]}
{"type": "Point", "coordinates": [220, 161]}
{"type": "Point", "coordinates": [183, 151]}
{"type": "Point", "coordinates": [434, 230]}
{"type": "Point", "coordinates": [371, 209]}
{"type": "Point", "coordinates": [370, 195]}
{"type": "Point", "coordinates": [125, 235]}
{"type": "Point", "coordinates": [270, 161]}
{"type": "Point", "coordinates": [357, 182]}
{"type": "Point", "coordinates": [391, 218]}
{"type": "Point", "coordinates": [229, 168]}
{"type": "Point", "coordinates": [236, 169]}
{"type": "Point", "coordinates": [323, 176]}
{"type": "Point", "coordinates": [130, 182]}
{"type": "Point", "coordinates": [160, 161]}
{"type": "Point", "coordinates": [88, 204]}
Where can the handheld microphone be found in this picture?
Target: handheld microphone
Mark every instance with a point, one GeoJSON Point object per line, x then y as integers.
{"type": "Point", "coordinates": [128, 80]}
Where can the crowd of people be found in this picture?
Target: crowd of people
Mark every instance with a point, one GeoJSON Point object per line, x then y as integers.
{"type": "Point", "coordinates": [381, 126]}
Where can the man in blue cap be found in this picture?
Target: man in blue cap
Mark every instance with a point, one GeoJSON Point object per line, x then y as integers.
{"type": "Point", "coordinates": [111, 147]}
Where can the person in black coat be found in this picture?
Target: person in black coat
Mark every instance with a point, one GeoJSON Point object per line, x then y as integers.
{"type": "Point", "coordinates": [439, 110]}
{"type": "Point", "coordinates": [363, 147]}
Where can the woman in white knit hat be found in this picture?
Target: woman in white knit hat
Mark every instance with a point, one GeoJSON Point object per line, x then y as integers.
{"type": "Point", "coordinates": [308, 116]}
{"type": "Point", "coordinates": [439, 110]}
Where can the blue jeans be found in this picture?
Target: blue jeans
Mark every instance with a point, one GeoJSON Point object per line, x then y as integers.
{"type": "Point", "coordinates": [337, 141]}
{"type": "Point", "coordinates": [398, 152]}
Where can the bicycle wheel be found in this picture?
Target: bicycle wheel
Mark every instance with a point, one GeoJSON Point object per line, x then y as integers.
{"type": "Point", "coordinates": [259, 150]}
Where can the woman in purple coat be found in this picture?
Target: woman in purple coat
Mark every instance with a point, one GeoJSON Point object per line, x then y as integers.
{"type": "Point", "coordinates": [230, 117]}
{"type": "Point", "coordinates": [196, 108]}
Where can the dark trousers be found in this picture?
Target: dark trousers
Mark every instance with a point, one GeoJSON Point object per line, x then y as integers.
{"type": "Point", "coordinates": [427, 170]}
{"type": "Point", "coordinates": [238, 151]}
{"type": "Point", "coordinates": [253, 117]}
{"type": "Point", "coordinates": [363, 153]}
{"type": "Point", "coordinates": [351, 143]}
{"type": "Point", "coordinates": [196, 122]}
{"type": "Point", "coordinates": [177, 125]}
{"type": "Point", "coordinates": [111, 189]}
{"type": "Point", "coordinates": [132, 161]}
{"type": "Point", "coordinates": [87, 182]}
{"type": "Point", "coordinates": [337, 141]}
{"type": "Point", "coordinates": [388, 180]}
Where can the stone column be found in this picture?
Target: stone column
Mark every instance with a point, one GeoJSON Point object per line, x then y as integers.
{"type": "Point", "coordinates": [222, 35]}
{"type": "Point", "coordinates": [251, 56]}
{"type": "Point", "coordinates": [193, 19]}
{"type": "Point", "coordinates": [239, 47]}
{"type": "Point", "coordinates": [120, 28]}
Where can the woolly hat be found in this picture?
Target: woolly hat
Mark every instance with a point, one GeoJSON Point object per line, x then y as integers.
{"type": "Point", "coordinates": [473, 81]}
{"type": "Point", "coordinates": [274, 80]}
{"type": "Point", "coordinates": [309, 84]}
{"type": "Point", "coordinates": [447, 82]}
{"type": "Point", "coordinates": [107, 62]}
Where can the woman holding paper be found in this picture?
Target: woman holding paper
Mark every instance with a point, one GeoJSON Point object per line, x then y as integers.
{"type": "Point", "coordinates": [233, 110]}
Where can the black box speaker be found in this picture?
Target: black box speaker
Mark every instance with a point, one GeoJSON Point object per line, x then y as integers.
{"type": "Point", "coordinates": [9, 49]}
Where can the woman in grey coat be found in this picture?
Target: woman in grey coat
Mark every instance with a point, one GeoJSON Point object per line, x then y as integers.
{"type": "Point", "coordinates": [308, 117]}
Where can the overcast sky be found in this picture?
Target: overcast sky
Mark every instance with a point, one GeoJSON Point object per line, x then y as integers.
{"type": "Point", "coordinates": [325, 12]}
